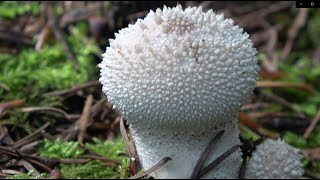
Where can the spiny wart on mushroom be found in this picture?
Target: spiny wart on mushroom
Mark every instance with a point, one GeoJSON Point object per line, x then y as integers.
{"type": "Point", "coordinates": [179, 77]}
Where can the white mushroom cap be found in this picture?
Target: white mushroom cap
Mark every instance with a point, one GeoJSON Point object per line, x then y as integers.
{"type": "Point", "coordinates": [275, 159]}
{"type": "Point", "coordinates": [179, 67]}
{"type": "Point", "coordinates": [179, 77]}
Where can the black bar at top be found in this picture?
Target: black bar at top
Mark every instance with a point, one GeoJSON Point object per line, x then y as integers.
{"type": "Point", "coordinates": [307, 3]}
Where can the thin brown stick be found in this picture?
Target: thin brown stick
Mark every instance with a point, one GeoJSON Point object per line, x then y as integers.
{"type": "Point", "coordinates": [197, 170]}
{"type": "Point", "coordinates": [126, 138]}
{"type": "Point", "coordinates": [216, 162]}
{"type": "Point", "coordinates": [271, 60]}
{"type": "Point", "coordinates": [245, 20]}
{"type": "Point", "coordinates": [5, 87]}
{"type": "Point", "coordinates": [74, 161]}
{"type": "Point", "coordinates": [104, 159]}
{"type": "Point", "coordinates": [152, 169]}
{"type": "Point", "coordinates": [263, 114]}
{"type": "Point", "coordinates": [312, 154]}
{"type": "Point", "coordinates": [16, 38]}
{"type": "Point", "coordinates": [41, 165]}
{"type": "Point", "coordinates": [3, 175]}
{"type": "Point", "coordinates": [286, 103]}
{"type": "Point", "coordinates": [26, 139]}
{"type": "Point", "coordinates": [10, 105]}
{"type": "Point", "coordinates": [52, 109]}
{"type": "Point", "coordinates": [84, 119]}
{"type": "Point", "coordinates": [78, 14]}
{"type": "Point", "coordinates": [131, 148]}
{"type": "Point", "coordinates": [74, 89]}
{"type": "Point", "coordinates": [312, 125]}
{"type": "Point", "coordinates": [43, 37]}
{"type": "Point", "coordinates": [55, 174]}
{"type": "Point", "coordinates": [255, 106]}
{"type": "Point", "coordinates": [262, 36]}
{"type": "Point", "coordinates": [32, 159]}
{"type": "Point", "coordinates": [29, 167]}
{"type": "Point", "coordinates": [298, 23]}
{"type": "Point", "coordinates": [10, 171]}
{"type": "Point", "coordinates": [30, 146]}
{"type": "Point", "coordinates": [58, 34]}
{"type": "Point", "coordinates": [304, 87]}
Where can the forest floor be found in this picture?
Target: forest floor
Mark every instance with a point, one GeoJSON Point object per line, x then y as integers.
{"type": "Point", "coordinates": [55, 122]}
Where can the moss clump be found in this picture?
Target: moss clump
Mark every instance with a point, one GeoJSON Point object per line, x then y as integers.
{"type": "Point", "coordinates": [91, 170]}
{"type": "Point", "coordinates": [110, 149]}
{"type": "Point", "coordinates": [94, 169]}
{"type": "Point", "coordinates": [59, 149]}
{"type": "Point", "coordinates": [28, 176]}
{"type": "Point", "coordinates": [31, 72]}
{"type": "Point", "coordinates": [123, 169]}
{"type": "Point", "coordinates": [12, 9]}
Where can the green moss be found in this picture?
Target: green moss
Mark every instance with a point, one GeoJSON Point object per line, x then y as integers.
{"type": "Point", "coordinates": [301, 70]}
{"type": "Point", "coordinates": [12, 9]}
{"type": "Point", "coordinates": [298, 141]}
{"type": "Point", "coordinates": [28, 176]}
{"type": "Point", "coordinates": [123, 169]}
{"type": "Point", "coordinates": [30, 74]}
{"type": "Point", "coordinates": [91, 170]}
{"type": "Point", "coordinates": [59, 149]}
{"type": "Point", "coordinates": [110, 149]}
{"type": "Point", "coordinates": [295, 140]}
{"type": "Point", "coordinates": [247, 133]}
{"type": "Point", "coordinates": [47, 70]}
{"type": "Point", "coordinates": [313, 28]}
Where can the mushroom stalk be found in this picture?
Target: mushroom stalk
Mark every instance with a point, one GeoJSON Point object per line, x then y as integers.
{"type": "Point", "coordinates": [184, 147]}
{"type": "Point", "coordinates": [179, 77]}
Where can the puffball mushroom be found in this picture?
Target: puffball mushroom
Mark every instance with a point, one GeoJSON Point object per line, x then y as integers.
{"type": "Point", "coordinates": [179, 77]}
{"type": "Point", "coordinates": [275, 159]}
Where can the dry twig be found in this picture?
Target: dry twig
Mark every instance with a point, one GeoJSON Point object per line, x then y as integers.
{"type": "Point", "coordinates": [152, 169]}
{"type": "Point", "coordinates": [10, 105]}
{"type": "Point", "coordinates": [67, 116]}
{"type": "Point", "coordinates": [74, 89]}
{"type": "Point", "coordinates": [298, 23]}
{"type": "Point", "coordinates": [15, 38]}
{"type": "Point", "coordinates": [304, 87]}
{"type": "Point", "coordinates": [29, 167]}
{"type": "Point", "coordinates": [29, 138]}
{"type": "Point", "coordinates": [5, 87]}
{"type": "Point", "coordinates": [44, 36]}
{"type": "Point", "coordinates": [313, 154]}
{"type": "Point", "coordinates": [312, 125]}
{"type": "Point", "coordinates": [84, 119]}
{"type": "Point", "coordinates": [58, 34]}
{"type": "Point", "coordinates": [135, 163]}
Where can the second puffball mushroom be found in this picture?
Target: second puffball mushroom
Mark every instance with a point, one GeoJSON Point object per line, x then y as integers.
{"type": "Point", "coordinates": [275, 159]}
{"type": "Point", "coordinates": [179, 77]}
